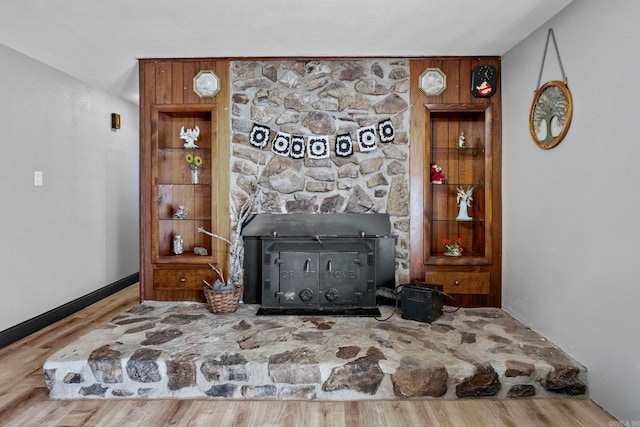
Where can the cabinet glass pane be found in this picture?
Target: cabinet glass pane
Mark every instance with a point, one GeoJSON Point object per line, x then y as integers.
{"type": "Point", "coordinates": [183, 184]}
{"type": "Point", "coordinates": [463, 167]}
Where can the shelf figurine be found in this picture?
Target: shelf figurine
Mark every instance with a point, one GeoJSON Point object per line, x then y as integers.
{"type": "Point", "coordinates": [464, 199]}
{"type": "Point", "coordinates": [461, 140]}
{"type": "Point", "coordinates": [436, 174]}
{"type": "Point", "coordinates": [190, 137]}
{"type": "Point", "coordinates": [178, 245]}
{"type": "Point", "coordinates": [180, 213]}
{"type": "Point", "coordinates": [453, 249]}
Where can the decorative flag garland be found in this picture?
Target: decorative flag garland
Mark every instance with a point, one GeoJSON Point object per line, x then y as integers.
{"type": "Point", "coordinates": [344, 145]}
{"type": "Point", "coordinates": [297, 147]}
{"type": "Point", "coordinates": [259, 136]}
{"type": "Point", "coordinates": [282, 144]}
{"type": "Point", "coordinates": [317, 146]}
{"type": "Point", "coordinates": [367, 138]}
{"type": "Point", "coordinates": [386, 130]}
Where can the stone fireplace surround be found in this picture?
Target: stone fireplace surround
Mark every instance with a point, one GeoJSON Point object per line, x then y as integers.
{"type": "Point", "coordinates": [182, 350]}
{"type": "Point", "coordinates": [328, 98]}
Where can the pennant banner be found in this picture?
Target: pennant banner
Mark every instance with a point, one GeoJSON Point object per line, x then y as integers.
{"type": "Point", "coordinates": [297, 147]}
{"type": "Point", "coordinates": [367, 138]}
{"type": "Point", "coordinates": [344, 145]}
{"type": "Point", "coordinates": [318, 147]}
{"type": "Point", "coordinates": [281, 144]}
{"type": "Point", "coordinates": [386, 130]}
{"type": "Point", "coordinates": [259, 136]}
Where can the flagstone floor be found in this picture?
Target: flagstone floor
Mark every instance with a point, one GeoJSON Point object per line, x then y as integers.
{"type": "Point", "coordinates": [182, 350]}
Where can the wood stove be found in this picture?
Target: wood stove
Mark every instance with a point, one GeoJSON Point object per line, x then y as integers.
{"type": "Point", "coordinates": [318, 263]}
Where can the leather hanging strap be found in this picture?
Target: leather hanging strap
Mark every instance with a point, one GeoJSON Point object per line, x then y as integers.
{"type": "Point", "coordinates": [544, 56]}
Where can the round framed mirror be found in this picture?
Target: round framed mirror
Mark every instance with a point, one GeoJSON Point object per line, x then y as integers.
{"type": "Point", "coordinates": [551, 113]}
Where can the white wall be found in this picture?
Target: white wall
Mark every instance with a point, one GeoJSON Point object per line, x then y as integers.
{"type": "Point", "coordinates": [78, 232]}
{"type": "Point", "coordinates": [572, 214]}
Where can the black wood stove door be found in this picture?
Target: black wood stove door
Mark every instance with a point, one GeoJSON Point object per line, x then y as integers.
{"type": "Point", "coordinates": [298, 284]}
{"type": "Point", "coordinates": [325, 279]}
{"type": "Point", "coordinates": [322, 275]}
{"type": "Point", "coordinates": [340, 280]}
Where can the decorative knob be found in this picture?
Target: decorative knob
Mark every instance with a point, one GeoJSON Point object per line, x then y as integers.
{"type": "Point", "coordinates": [332, 294]}
{"type": "Point", "coordinates": [183, 279]}
{"type": "Point", "coordinates": [306, 294]}
{"type": "Point", "coordinates": [274, 233]}
{"type": "Point", "coordinates": [456, 283]}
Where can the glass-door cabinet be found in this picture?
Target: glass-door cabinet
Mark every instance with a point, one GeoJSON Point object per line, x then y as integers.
{"type": "Point", "coordinates": [184, 177]}
{"type": "Point", "coordinates": [184, 198]}
{"type": "Point", "coordinates": [458, 192]}
{"type": "Point", "coordinates": [183, 189]}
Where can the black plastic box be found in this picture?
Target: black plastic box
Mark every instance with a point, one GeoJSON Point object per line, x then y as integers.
{"type": "Point", "coordinates": [422, 301]}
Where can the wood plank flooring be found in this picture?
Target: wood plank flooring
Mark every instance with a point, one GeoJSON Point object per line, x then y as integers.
{"type": "Point", "coordinates": [24, 397]}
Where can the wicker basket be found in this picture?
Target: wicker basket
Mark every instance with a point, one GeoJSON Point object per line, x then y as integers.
{"type": "Point", "coordinates": [221, 302]}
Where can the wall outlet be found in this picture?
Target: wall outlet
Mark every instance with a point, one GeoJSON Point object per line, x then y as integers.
{"type": "Point", "coordinates": [37, 178]}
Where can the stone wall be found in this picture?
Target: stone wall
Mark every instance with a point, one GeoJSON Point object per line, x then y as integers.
{"type": "Point", "coordinates": [324, 98]}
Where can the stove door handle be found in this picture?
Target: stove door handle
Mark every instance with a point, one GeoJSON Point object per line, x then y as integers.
{"type": "Point", "coordinates": [307, 265]}
{"type": "Point", "coordinates": [329, 268]}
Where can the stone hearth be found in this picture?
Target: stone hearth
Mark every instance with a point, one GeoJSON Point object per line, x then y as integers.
{"type": "Point", "coordinates": [182, 350]}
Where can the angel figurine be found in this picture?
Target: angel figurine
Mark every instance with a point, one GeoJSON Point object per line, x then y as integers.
{"type": "Point", "coordinates": [464, 200]}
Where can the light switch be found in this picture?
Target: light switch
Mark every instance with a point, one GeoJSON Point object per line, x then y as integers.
{"type": "Point", "coordinates": [37, 178]}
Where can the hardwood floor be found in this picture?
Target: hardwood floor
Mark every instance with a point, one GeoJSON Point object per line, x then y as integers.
{"type": "Point", "coordinates": [24, 397]}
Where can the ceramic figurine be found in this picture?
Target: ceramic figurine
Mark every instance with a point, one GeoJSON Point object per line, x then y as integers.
{"type": "Point", "coordinates": [436, 174]}
{"type": "Point", "coordinates": [180, 213]}
{"type": "Point", "coordinates": [178, 245]}
{"type": "Point", "coordinates": [464, 199]}
{"type": "Point", "coordinates": [461, 140]}
{"type": "Point", "coordinates": [190, 137]}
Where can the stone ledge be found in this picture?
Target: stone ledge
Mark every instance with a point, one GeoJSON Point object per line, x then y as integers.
{"type": "Point", "coordinates": [181, 350]}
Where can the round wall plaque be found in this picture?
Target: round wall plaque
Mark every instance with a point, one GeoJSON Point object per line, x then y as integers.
{"type": "Point", "coordinates": [432, 81]}
{"type": "Point", "coordinates": [206, 84]}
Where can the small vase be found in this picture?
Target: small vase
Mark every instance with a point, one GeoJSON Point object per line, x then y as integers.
{"type": "Point", "coordinates": [178, 245]}
{"type": "Point", "coordinates": [195, 175]}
